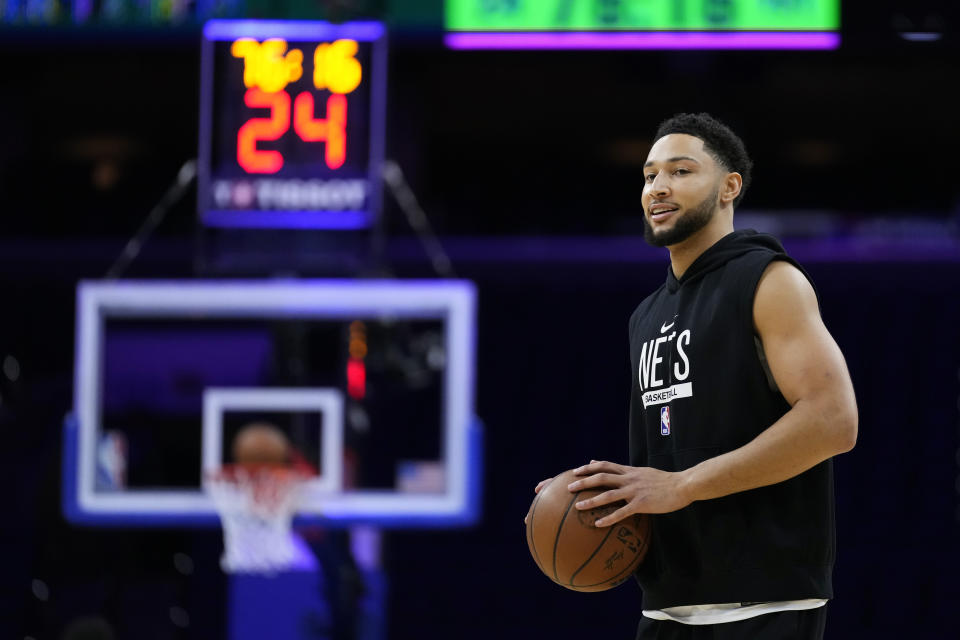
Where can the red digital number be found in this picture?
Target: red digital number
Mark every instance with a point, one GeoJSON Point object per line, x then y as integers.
{"type": "Point", "coordinates": [332, 129]}
{"type": "Point", "coordinates": [255, 160]}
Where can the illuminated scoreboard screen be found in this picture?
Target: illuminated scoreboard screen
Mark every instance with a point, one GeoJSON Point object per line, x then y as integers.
{"type": "Point", "coordinates": [291, 127]}
{"type": "Point", "coordinates": [642, 24]}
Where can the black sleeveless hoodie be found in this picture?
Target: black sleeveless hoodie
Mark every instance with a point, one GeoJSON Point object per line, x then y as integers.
{"type": "Point", "coordinates": [701, 388]}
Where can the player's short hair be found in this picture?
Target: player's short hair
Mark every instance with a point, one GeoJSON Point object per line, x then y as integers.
{"type": "Point", "coordinates": [719, 141]}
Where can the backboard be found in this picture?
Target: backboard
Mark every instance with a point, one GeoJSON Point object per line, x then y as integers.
{"type": "Point", "coordinates": [370, 380]}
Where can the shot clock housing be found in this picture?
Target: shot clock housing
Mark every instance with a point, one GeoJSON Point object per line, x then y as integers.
{"type": "Point", "coordinates": [291, 144]}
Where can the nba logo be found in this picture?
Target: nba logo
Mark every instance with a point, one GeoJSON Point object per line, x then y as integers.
{"type": "Point", "coordinates": [664, 421]}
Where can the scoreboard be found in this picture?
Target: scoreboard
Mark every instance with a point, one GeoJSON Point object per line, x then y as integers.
{"type": "Point", "coordinates": [643, 24]}
{"type": "Point", "coordinates": [531, 15]}
{"type": "Point", "coordinates": [291, 124]}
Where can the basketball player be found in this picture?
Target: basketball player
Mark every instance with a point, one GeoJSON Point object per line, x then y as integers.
{"type": "Point", "coordinates": [261, 444]}
{"type": "Point", "coordinates": [740, 399]}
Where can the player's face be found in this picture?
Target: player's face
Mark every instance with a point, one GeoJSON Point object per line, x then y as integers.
{"type": "Point", "coordinates": [681, 187]}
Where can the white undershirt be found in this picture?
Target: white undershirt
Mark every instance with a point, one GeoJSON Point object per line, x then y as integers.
{"type": "Point", "coordinates": [730, 612]}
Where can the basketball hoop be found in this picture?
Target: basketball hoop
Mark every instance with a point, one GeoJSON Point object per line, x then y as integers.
{"type": "Point", "coordinates": [256, 506]}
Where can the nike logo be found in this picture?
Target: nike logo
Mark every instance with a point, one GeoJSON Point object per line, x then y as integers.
{"type": "Point", "coordinates": [666, 327]}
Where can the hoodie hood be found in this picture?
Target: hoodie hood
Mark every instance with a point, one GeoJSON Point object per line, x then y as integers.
{"type": "Point", "coordinates": [730, 246]}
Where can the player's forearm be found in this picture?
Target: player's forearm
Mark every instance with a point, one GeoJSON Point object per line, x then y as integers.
{"type": "Point", "coordinates": [806, 435]}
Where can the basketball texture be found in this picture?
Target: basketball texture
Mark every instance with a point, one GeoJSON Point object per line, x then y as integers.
{"type": "Point", "coordinates": [571, 550]}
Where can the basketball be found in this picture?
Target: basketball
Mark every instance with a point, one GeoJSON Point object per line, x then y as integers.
{"type": "Point", "coordinates": [260, 443]}
{"type": "Point", "coordinates": [571, 550]}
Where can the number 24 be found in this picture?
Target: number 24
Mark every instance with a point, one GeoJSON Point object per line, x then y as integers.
{"type": "Point", "coordinates": [332, 129]}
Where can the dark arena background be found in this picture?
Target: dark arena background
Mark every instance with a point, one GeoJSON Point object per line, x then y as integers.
{"type": "Point", "coordinates": [515, 165]}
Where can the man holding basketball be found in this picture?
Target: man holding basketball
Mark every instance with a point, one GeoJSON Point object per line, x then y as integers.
{"type": "Point", "coordinates": [740, 399]}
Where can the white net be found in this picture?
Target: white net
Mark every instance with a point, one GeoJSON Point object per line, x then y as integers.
{"type": "Point", "coordinates": [256, 509]}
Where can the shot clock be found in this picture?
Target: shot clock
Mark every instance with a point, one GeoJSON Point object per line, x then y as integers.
{"type": "Point", "coordinates": [291, 124]}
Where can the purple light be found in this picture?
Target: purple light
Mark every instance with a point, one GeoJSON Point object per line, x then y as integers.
{"type": "Point", "coordinates": [288, 219]}
{"type": "Point", "coordinates": [294, 30]}
{"type": "Point", "coordinates": [646, 40]}
{"type": "Point", "coordinates": [82, 10]}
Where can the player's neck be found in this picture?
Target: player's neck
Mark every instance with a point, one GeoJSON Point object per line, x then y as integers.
{"type": "Point", "coordinates": [684, 253]}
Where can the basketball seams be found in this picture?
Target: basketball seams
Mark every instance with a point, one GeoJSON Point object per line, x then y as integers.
{"type": "Point", "coordinates": [531, 539]}
{"type": "Point", "coordinates": [630, 568]}
{"type": "Point", "coordinates": [556, 540]}
{"type": "Point", "coordinates": [616, 579]}
{"type": "Point", "coordinates": [573, 576]}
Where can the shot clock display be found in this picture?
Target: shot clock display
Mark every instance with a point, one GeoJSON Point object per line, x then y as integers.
{"type": "Point", "coordinates": [292, 120]}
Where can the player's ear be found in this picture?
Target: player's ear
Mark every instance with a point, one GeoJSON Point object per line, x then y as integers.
{"type": "Point", "coordinates": [731, 186]}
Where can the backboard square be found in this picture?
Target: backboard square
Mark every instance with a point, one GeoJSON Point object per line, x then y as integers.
{"type": "Point", "coordinates": [443, 308]}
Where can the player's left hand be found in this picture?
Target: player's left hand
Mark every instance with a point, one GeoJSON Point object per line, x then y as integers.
{"type": "Point", "coordinates": [644, 489]}
{"type": "Point", "coordinates": [538, 489]}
